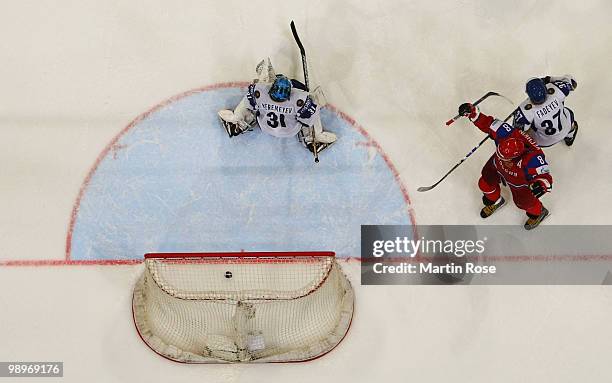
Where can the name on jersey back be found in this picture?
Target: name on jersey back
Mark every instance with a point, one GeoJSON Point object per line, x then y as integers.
{"type": "Point", "coordinates": [554, 105]}
{"type": "Point", "coordinates": [277, 108]}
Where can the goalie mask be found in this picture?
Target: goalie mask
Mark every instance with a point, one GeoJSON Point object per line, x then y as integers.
{"type": "Point", "coordinates": [281, 88]}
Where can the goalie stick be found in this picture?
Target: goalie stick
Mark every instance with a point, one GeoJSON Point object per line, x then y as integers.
{"type": "Point", "coordinates": [305, 69]}
{"type": "Point", "coordinates": [302, 53]}
{"type": "Point", "coordinates": [427, 188]}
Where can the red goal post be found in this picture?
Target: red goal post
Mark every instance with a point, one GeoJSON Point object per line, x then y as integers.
{"type": "Point", "coordinates": [243, 254]}
{"type": "Point", "coordinates": [242, 307]}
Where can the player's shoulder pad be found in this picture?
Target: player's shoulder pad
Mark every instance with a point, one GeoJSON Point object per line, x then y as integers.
{"type": "Point", "coordinates": [253, 94]}
{"type": "Point", "coordinates": [526, 105]}
{"type": "Point", "coordinates": [501, 129]}
{"type": "Point", "coordinates": [537, 160]}
{"type": "Point", "coordinates": [526, 108]}
{"type": "Point", "coordinates": [563, 86]}
{"type": "Point", "coordinates": [522, 112]}
{"type": "Point", "coordinates": [308, 109]}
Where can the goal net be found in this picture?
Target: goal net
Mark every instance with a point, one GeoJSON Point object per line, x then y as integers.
{"type": "Point", "coordinates": [242, 307]}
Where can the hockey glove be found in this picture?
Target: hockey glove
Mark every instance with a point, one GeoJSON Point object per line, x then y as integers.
{"type": "Point", "coordinates": [571, 78]}
{"type": "Point", "coordinates": [568, 78]}
{"type": "Point", "coordinates": [539, 188]}
{"type": "Point", "coordinates": [468, 110]}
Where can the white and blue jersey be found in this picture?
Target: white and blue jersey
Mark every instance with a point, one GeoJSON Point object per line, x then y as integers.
{"type": "Point", "coordinates": [281, 119]}
{"type": "Point", "coordinates": [550, 121]}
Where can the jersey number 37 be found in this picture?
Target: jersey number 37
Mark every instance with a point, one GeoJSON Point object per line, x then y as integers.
{"type": "Point", "coordinates": [549, 126]}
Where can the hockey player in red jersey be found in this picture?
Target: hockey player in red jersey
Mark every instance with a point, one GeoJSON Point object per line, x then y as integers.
{"type": "Point", "coordinates": [518, 162]}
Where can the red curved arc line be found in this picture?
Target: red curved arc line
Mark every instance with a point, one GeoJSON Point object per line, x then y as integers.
{"type": "Point", "coordinates": [235, 84]}
{"type": "Point", "coordinates": [111, 144]}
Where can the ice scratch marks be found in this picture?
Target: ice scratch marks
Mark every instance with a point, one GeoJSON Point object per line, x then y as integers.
{"type": "Point", "coordinates": [372, 150]}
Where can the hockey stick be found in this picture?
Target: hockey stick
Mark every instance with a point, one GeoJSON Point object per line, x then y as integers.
{"type": "Point", "coordinates": [427, 188]}
{"type": "Point", "coordinates": [302, 52]}
{"type": "Point", "coordinates": [481, 99]}
{"type": "Point", "coordinates": [305, 69]}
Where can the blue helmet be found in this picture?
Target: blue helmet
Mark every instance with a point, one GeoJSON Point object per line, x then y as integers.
{"type": "Point", "coordinates": [536, 90]}
{"type": "Point", "coordinates": [281, 88]}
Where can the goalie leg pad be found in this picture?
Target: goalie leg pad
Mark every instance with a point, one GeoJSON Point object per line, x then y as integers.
{"type": "Point", "coordinates": [232, 126]}
{"type": "Point", "coordinates": [305, 137]}
{"type": "Point", "coordinates": [325, 138]}
{"type": "Point", "coordinates": [321, 136]}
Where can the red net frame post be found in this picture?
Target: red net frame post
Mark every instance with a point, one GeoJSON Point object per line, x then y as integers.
{"type": "Point", "coordinates": [242, 307]}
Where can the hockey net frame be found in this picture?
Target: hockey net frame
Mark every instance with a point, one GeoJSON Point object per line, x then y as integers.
{"type": "Point", "coordinates": [285, 287]}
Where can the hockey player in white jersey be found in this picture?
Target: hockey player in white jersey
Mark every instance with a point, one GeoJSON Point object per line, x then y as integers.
{"type": "Point", "coordinates": [282, 108]}
{"type": "Point", "coordinates": [543, 115]}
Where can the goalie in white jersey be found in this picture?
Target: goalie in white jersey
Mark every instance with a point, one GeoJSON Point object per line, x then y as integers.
{"type": "Point", "coordinates": [283, 108]}
{"type": "Point", "coordinates": [544, 115]}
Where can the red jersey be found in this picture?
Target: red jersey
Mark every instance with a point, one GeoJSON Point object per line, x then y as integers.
{"type": "Point", "coordinates": [526, 168]}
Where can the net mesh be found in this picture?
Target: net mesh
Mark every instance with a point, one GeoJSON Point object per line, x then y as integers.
{"type": "Point", "coordinates": [243, 309]}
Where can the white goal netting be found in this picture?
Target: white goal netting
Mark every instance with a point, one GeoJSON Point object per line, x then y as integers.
{"type": "Point", "coordinates": [242, 307]}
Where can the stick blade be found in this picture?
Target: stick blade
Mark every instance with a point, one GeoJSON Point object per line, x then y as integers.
{"type": "Point", "coordinates": [296, 37]}
{"type": "Point", "coordinates": [424, 188]}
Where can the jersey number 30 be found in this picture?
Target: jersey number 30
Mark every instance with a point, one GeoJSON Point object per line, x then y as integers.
{"type": "Point", "coordinates": [274, 120]}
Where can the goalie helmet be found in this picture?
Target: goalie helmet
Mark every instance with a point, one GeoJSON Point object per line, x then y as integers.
{"type": "Point", "coordinates": [281, 88]}
{"type": "Point", "coordinates": [510, 148]}
{"type": "Point", "coordinates": [536, 90]}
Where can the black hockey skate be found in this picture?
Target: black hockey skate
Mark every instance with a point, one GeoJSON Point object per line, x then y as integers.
{"type": "Point", "coordinates": [570, 141]}
{"type": "Point", "coordinates": [491, 207]}
{"type": "Point", "coordinates": [532, 222]}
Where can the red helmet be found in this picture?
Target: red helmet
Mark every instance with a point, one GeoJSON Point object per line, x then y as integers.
{"type": "Point", "coordinates": [510, 148]}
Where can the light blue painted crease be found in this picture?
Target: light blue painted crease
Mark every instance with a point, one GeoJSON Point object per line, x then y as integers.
{"type": "Point", "coordinates": [177, 183]}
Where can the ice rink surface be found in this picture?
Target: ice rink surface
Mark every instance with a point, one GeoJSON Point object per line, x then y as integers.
{"type": "Point", "coordinates": [73, 75]}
